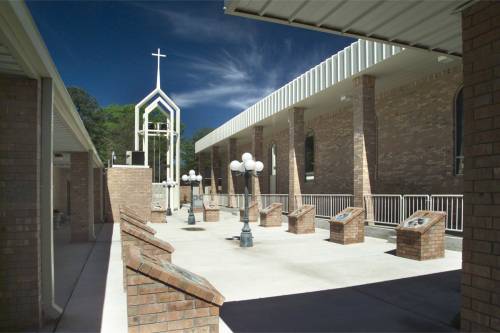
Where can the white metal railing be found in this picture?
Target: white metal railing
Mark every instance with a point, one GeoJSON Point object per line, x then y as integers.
{"type": "Point", "coordinates": [327, 205]}
{"type": "Point", "coordinates": [383, 208]}
{"type": "Point", "coordinates": [267, 199]}
{"type": "Point", "coordinates": [394, 208]}
{"type": "Point", "coordinates": [453, 205]}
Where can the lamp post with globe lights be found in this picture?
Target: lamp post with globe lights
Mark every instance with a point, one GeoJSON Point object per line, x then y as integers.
{"type": "Point", "coordinates": [193, 180]}
{"type": "Point", "coordinates": [169, 183]}
{"type": "Point", "coordinates": [248, 167]}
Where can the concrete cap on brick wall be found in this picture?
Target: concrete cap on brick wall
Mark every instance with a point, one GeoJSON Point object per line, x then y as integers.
{"type": "Point", "coordinates": [302, 211]}
{"type": "Point", "coordinates": [172, 275]}
{"type": "Point", "coordinates": [352, 211]}
{"type": "Point", "coordinates": [128, 220]}
{"type": "Point", "coordinates": [271, 207]}
{"type": "Point", "coordinates": [148, 238]}
{"type": "Point", "coordinates": [434, 218]}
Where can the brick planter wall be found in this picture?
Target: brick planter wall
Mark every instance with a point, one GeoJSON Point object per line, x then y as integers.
{"type": "Point", "coordinates": [425, 242]}
{"type": "Point", "coordinates": [162, 297]}
{"type": "Point", "coordinates": [210, 212]}
{"type": "Point", "coordinates": [253, 212]}
{"type": "Point", "coordinates": [301, 221]}
{"type": "Point", "coordinates": [271, 215]}
{"type": "Point", "coordinates": [350, 230]}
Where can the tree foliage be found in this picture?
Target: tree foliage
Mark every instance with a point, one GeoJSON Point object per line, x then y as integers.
{"type": "Point", "coordinates": [187, 150]}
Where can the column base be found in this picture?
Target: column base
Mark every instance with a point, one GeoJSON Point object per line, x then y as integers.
{"type": "Point", "coordinates": [191, 219]}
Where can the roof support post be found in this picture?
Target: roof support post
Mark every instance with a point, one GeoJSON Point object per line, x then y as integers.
{"type": "Point", "coordinates": [231, 156]}
{"type": "Point", "coordinates": [257, 148]}
{"type": "Point", "coordinates": [295, 157]}
{"type": "Point", "coordinates": [214, 170]}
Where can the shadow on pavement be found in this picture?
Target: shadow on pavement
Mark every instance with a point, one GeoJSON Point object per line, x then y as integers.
{"type": "Point", "coordinates": [427, 303]}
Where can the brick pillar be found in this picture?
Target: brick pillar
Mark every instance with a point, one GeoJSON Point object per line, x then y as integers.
{"type": "Point", "coordinates": [231, 156]}
{"type": "Point", "coordinates": [257, 149]}
{"type": "Point", "coordinates": [214, 170]}
{"type": "Point", "coordinates": [98, 195]}
{"type": "Point", "coordinates": [20, 257]}
{"type": "Point", "coordinates": [82, 197]}
{"type": "Point", "coordinates": [295, 157]}
{"type": "Point", "coordinates": [481, 236]}
{"type": "Point", "coordinates": [364, 140]}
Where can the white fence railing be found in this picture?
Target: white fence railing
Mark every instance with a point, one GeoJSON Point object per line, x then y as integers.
{"type": "Point", "coordinates": [388, 209]}
{"type": "Point", "coordinates": [394, 208]}
{"type": "Point", "coordinates": [327, 205]}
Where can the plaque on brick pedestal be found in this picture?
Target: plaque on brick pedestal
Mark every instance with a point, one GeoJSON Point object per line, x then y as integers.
{"type": "Point", "coordinates": [348, 226]}
{"type": "Point", "coordinates": [163, 297]}
{"type": "Point", "coordinates": [253, 212]}
{"type": "Point", "coordinates": [158, 215]}
{"type": "Point", "coordinates": [421, 236]}
{"type": "Point", "coordinates": [148, 243]}
{"type": "Point", "coordinates": [271, 215]}
{"type": "Point", "coordinates": [301, 221]}
{"type": "Point", "coordinates": [210, 212]}
{"type": "Point", "coordinates": [124, 210]}
{"type": "Point", "coordinates": [139, 225]}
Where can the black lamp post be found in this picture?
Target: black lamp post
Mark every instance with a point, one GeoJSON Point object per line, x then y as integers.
{"type": "Point", "coordinates": [193, 180]}
{"type": "Point", "coordinates": [248, 168]}
{"type": "Point", "coordinates": [168, 184]}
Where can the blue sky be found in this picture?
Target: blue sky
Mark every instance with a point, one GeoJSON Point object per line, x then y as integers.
{"type": "Point", "coordinates": [216, 65]}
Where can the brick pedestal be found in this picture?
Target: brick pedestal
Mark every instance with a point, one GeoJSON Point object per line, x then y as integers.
{"type": "Point", "coordinates": [348, 226]}
{"type": "Point", "coordinates": [149, 244]}
{"type": "Point", "coordinates": [130, 187]}
{"type": "Point", "coordinates": [301, 221]}
{"type": "Point", "coordinates": [158, 216]}
{"type": "Point", "coordinates": [253, 212]}
{"type": "Point", "coordinates": [422, 242]}
{"type": "Point", "coordinates": [162, 297]}
{"type": "Point", "coordinates": [210, 212]}
{"type": "Point", "coordinates": [142, 226]}
{"type": "Point", "coordinates": [271, 215]}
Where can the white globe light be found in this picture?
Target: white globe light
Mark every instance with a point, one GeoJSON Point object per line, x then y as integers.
{"type": "Point", "coordinates": [241, 167]}
{"type": "Point", "coordinates": [259, 166]}
{"type": "Point", "coordinates": [250, 165]}
{"type": "Point", "coordinates": [191, 172]}
{"type": "Point", "coordinates": [192, 178]}
{"type": "Point", "coordinates": [234, 165]}
{"type": "Point", "coordinates": [199, 178]}
{"type": "Point", "coordinates": [246, 157]}
{"type": "Point", "coordinates": [164, 183]}
{"type": "Point", "coordinates": [185, 178]}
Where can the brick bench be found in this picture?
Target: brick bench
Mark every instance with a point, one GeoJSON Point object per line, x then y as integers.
{"type": "Point", "coordinates": [421, 241]}
{"type": "Point", "coordinates": [348, 226]}
{"type": "Point", "coordinates": [210, 212]}
{"type": "Point", "coordinates": [162, 297]}
{"type": "Point", "coordinates": [301, 221]}
{"type": "Point", "coordinates": [271, 215]}
{"type": "Point", "coordinates": [253, 212]}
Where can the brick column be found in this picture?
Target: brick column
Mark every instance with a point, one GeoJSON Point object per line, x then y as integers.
{"type": "Point", "coordinates": [231, 156]}
{"type": "Point", "coordinates": [82, 197]}
{"type": "Point", "coordinates": [20, 282]}
{"type": "Point", "coordinates": [214, 170]}
{"type": "Point", "coordinates": [481, 236]}
{"type": "Point", "coordinates": [364, 140]}
{"type": "Point", "coordinates": [257, 148]}
{"type": "Point", "coordinates": [98, 195]}
{"type": "Point", "coordinates": [295, 157]}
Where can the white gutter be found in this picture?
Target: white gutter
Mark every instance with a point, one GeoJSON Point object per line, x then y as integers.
{"type": "Point", "coordinates": [36, 61]}
{"type": "Point", "coordinates": [352, 60]}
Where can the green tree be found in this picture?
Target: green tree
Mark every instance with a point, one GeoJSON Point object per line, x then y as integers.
{"type": "Point", "coordinates": [188, 157]}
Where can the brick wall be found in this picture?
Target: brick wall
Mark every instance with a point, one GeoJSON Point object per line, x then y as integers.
{"type": "Point", "coordinates": [481, 243]}
{"type": "Point", "coordinates": [20, 281]}
{"type": "Point", "coordinates": [97, 195]}
{"type": "Point", "coordinates": [82, 197]}
{"type": "Point", "coordinates": [130, 187]}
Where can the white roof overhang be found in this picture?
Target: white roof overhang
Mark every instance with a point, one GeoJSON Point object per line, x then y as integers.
{"type": "Point", "coordinates": [24, 53]}
{"type": "Point", "coordinates": [320, 89]}
{"type": "Point", "coordinates": [425, 24]}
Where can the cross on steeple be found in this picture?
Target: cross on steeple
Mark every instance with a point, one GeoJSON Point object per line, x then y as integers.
{"type": "Point", "coordinates": [159, 55]}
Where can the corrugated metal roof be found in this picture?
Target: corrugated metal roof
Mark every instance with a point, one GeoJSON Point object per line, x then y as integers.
{"type": "Point", "coordinates": [426, 24]}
